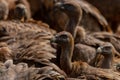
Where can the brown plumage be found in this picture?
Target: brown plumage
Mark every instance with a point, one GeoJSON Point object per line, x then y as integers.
{"type": "Point", "coordinates": [108, 37]}
{"type": "Point", "coordinates": [23, 9]}
{"type": "Point", "coordinates": [84, 38]}
{"type": "Point", "coordinates": [21, 12]}
{"type": "Point", "coordinates": [84, 53]}
{"type": "Point", "coordinates": [20, 33]}
{"type": "Point", "coordinates": [72, 25]}
{"type": "Point", "coordinates": [94, 19]}
{"type": "Point", "coordinates": [4, 10]}
{"type": "Point", "coordinates": [74, 17]}
{"type": "Point", "coordinates": [32, 45]}
{"type": "Point", "coordinates": [44, 10]}
{"type": "Point", "coordinates": [21, 71]}
{"type": "Point", "coordinates": [106, 59]}
{"type": "Point", "coordinates": [13, 4]}
{"type": "Point", "coordinates": [41, 9]}
{"type": "Point", "coordinates": [112, 14]}
{"type": "Point", "coordinates": [107, 51]}
{"type": "Point", "coordinates": [81, 52]}
{"type": "Point", "coordinates": [5, 52]}
{"type": "Point", "coordinates": [74, 69]}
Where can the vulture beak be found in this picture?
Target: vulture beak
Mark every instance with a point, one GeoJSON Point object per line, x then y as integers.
{"type": "Point", "coordinates": [58, 6]}
{"type": "Point", "coordinates": [53, 40]}
{"type": "Point", "coordinates": [98, 56]}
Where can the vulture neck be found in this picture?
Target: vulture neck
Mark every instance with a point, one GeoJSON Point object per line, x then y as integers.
{"type": "Point", "coordinates": [66, 56]}
{"type": "Point", "coordinates": [107, 62]}
{"type": "Point", "coordinates": [72, 24]}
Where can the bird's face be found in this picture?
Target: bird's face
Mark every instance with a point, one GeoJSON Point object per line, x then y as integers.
{"type": "Point", "coordinates": [68, 8]}
{"type": "Point", "coordinates": [61, 38]}
{"type": "Point", "coordinates": [3, 11]}
{"type": "Point", "coordinates": [20, 11]}
{"type": "Point", "coordinates": [105, 50]}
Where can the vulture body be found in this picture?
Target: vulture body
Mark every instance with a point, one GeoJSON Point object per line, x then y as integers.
{"type": "Point", "coordinates": [8, 9]}
{"type": "Point", "coordinates": [107, 51]}
{"type": "Point", "coordinates": [112, 14]}
{"type": "Point", "coordinates": [30, 43]}
{"type": "Point", "coordinates": [4, 10]}
{"type": "Point", "coordinates": [105, 57]}
{"type": "Point", "coordinates": [84, 38]}
{"type": "Point", "coordinates": [72, 26]}
{"type": "Point", "coordinates": [58, 20]}
{"type": "Point", "coordinates": [28, 39]}
{"type": "Point", "coordinates": [21, 71]}
{"type": "Point", "coordinates": [76, 68]}
{"type": "Point", "coordinates": [108, 37]}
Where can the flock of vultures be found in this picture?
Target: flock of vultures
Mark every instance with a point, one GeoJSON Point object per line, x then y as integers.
{"type": "Point", "coordinates": [59, 40]}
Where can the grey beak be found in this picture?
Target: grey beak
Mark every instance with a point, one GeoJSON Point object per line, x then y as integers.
{"type": "Point", "coordinates": [98, 55]}
{"type": "Point", "coordinates": [58, 6]}
{"type": "Point", "coordinates": [53, 40]}
{"type": "Point", "coordinates": [99, 50]}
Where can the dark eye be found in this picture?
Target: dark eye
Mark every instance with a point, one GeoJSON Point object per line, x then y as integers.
{"type": "Point", "coordinates": [107, 48]}
{"type": "Point", "coordinates": [69, 7]}
{"type": "Point", "coordinates": [64, 36]}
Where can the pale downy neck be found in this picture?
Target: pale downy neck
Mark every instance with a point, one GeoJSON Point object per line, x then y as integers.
{"type": "Point", "coordinates": [66, 56]}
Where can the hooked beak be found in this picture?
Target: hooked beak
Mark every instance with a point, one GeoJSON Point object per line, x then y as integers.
{"type": "Point", "coordinates": [53, 40]}
{"type": "Point", "coordinates": [58, 6]}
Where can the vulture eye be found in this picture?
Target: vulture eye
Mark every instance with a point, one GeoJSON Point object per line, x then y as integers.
{"type": "Point", "coordinates": [64, 36]}
{"type": "Point", "coordinates": [107, 48]}
{"type": "Point", "coordinates": [69, 7]}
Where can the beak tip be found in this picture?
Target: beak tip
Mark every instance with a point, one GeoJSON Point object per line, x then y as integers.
{"type": "Point", "coordinates": [99, 50]}
{"type": "Point", "coordinates": [57, 6]}
{"type": "Point", "coordinates": [52, 40]}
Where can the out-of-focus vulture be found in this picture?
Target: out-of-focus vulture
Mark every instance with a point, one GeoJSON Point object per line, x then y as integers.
{"type": "Point", "coordinates": [4, 10]}
{"type": "Point", "coordinates": [110, 9]}
{"type": "Point", "coordinates": [94, 19]}
{"type": "Point", "coordinates": [5, 52]}
{"type": "Point", "coordinates": [21, 71]}
{"type": "Point", "coordinates": [57, 20]}
{"type": "Point", "coordinates": [21, 12]}
{"type": "Point", "coordinates": [74, 16]}
{"type": "Point", "coordinates": [108, 37]}
{"type": "Point", "coordinates": [77, 68]}
{"type": "Point", "coordinates": [107, 51]}
{"type": "Point", "coordinates": [9, 9]}
{"type": "Point", "coordinates": [72, 25]}
{"type": "Point", "coordinates": [28, 40]}
{"type": "Point", "coordinates": [30, 43]}
{"type": "Point", "coordinates": [84, 38]}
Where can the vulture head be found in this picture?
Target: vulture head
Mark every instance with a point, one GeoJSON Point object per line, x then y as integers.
{"type": "Point", "coordinates": [20, 12]}
{"type": "Point", "coordinates": [62, 38]}
{"type": "Point", "coordinates": [72, 9]}
{"type": "Point", "coordinates": [4, 10]}
{"type": "Point", "coordinates": [106, 50]}
{"type": "Point", "coordinates": [74, 12]}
